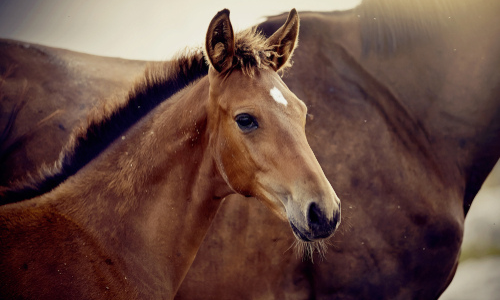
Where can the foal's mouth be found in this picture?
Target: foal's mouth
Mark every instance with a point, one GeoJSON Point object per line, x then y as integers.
{"type": "Point", "coordinates": [312, 236]}
{"type": "Point", "coordinates": [299, 233]}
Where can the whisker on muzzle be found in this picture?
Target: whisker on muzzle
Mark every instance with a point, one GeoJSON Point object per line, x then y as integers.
{"type": "Point", "coordinates": [306, 250]}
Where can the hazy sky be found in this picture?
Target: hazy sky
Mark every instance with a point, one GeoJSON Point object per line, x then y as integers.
{"type": "Point", "coordinates": [142, 29]}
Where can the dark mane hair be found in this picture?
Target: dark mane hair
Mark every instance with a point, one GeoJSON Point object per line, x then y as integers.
{"type": "Point", "coordinates": [110, 120]}
{"type": "Point", "coordinates": [391, 25]}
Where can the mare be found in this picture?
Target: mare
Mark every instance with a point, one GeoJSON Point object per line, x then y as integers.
{"type": "Point", "coordinates": [123, 212]}
{"type": "Point", "coordinates": [403, 103]}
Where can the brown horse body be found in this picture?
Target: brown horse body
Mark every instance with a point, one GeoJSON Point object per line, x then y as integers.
{"type": "Point", "coordinates": [406, 127]}
{"type": "Point", "coordinates": [123, 217]}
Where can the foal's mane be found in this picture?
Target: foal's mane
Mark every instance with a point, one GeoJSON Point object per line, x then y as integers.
{"type": "Point", "coordinates": [106, 123]}
{"type": "Point", "coordinates": [390, 25]}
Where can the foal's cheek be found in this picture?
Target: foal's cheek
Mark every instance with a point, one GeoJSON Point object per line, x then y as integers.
{"type": "Point", "coordinates": [238, 165]}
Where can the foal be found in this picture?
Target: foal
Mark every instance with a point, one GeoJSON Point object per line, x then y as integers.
{"type": "Point", "coordinates": [125, 210]}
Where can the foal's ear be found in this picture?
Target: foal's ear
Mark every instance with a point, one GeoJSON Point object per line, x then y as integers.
{"type": "Point", "coordinates": [219, 42]}
{"type": "Point", "coordinates": [284, 40]}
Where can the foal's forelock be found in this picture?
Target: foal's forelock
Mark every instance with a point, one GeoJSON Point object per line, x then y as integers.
{"type": "Point", "coordinates": [252, 53]}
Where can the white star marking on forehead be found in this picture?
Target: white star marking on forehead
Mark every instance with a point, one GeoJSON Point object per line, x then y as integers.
{"type": "Point", "coordinates": [278, 96]}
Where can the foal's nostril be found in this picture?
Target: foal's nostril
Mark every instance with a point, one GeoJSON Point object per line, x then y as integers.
{"type": "Point", "coordinates": [320, 226]}
{"type": "Point", "coordinates": [314, 216]}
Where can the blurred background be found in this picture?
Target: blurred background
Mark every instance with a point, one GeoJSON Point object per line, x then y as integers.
{"type": "Point", "coordinates": [478, 274]}
{"type": "Point", "coordinates": [156, 30]}
{"type": "Point", "coordinates": [145, 29]}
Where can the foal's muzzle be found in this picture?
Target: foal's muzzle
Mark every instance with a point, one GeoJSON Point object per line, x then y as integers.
{"type": "Point", "coordinates": [319, 226]}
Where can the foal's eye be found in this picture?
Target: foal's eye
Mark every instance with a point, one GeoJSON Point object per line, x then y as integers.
{"type": "Point", "coordinates": [246, 122]}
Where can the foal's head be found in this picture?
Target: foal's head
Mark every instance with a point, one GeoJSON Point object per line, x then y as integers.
{"type": "Point", "coordinates": [256, 127]}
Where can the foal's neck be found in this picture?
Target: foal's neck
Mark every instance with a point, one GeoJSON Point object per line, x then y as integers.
{"type": "Point", "coordinates": [154, 193]}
